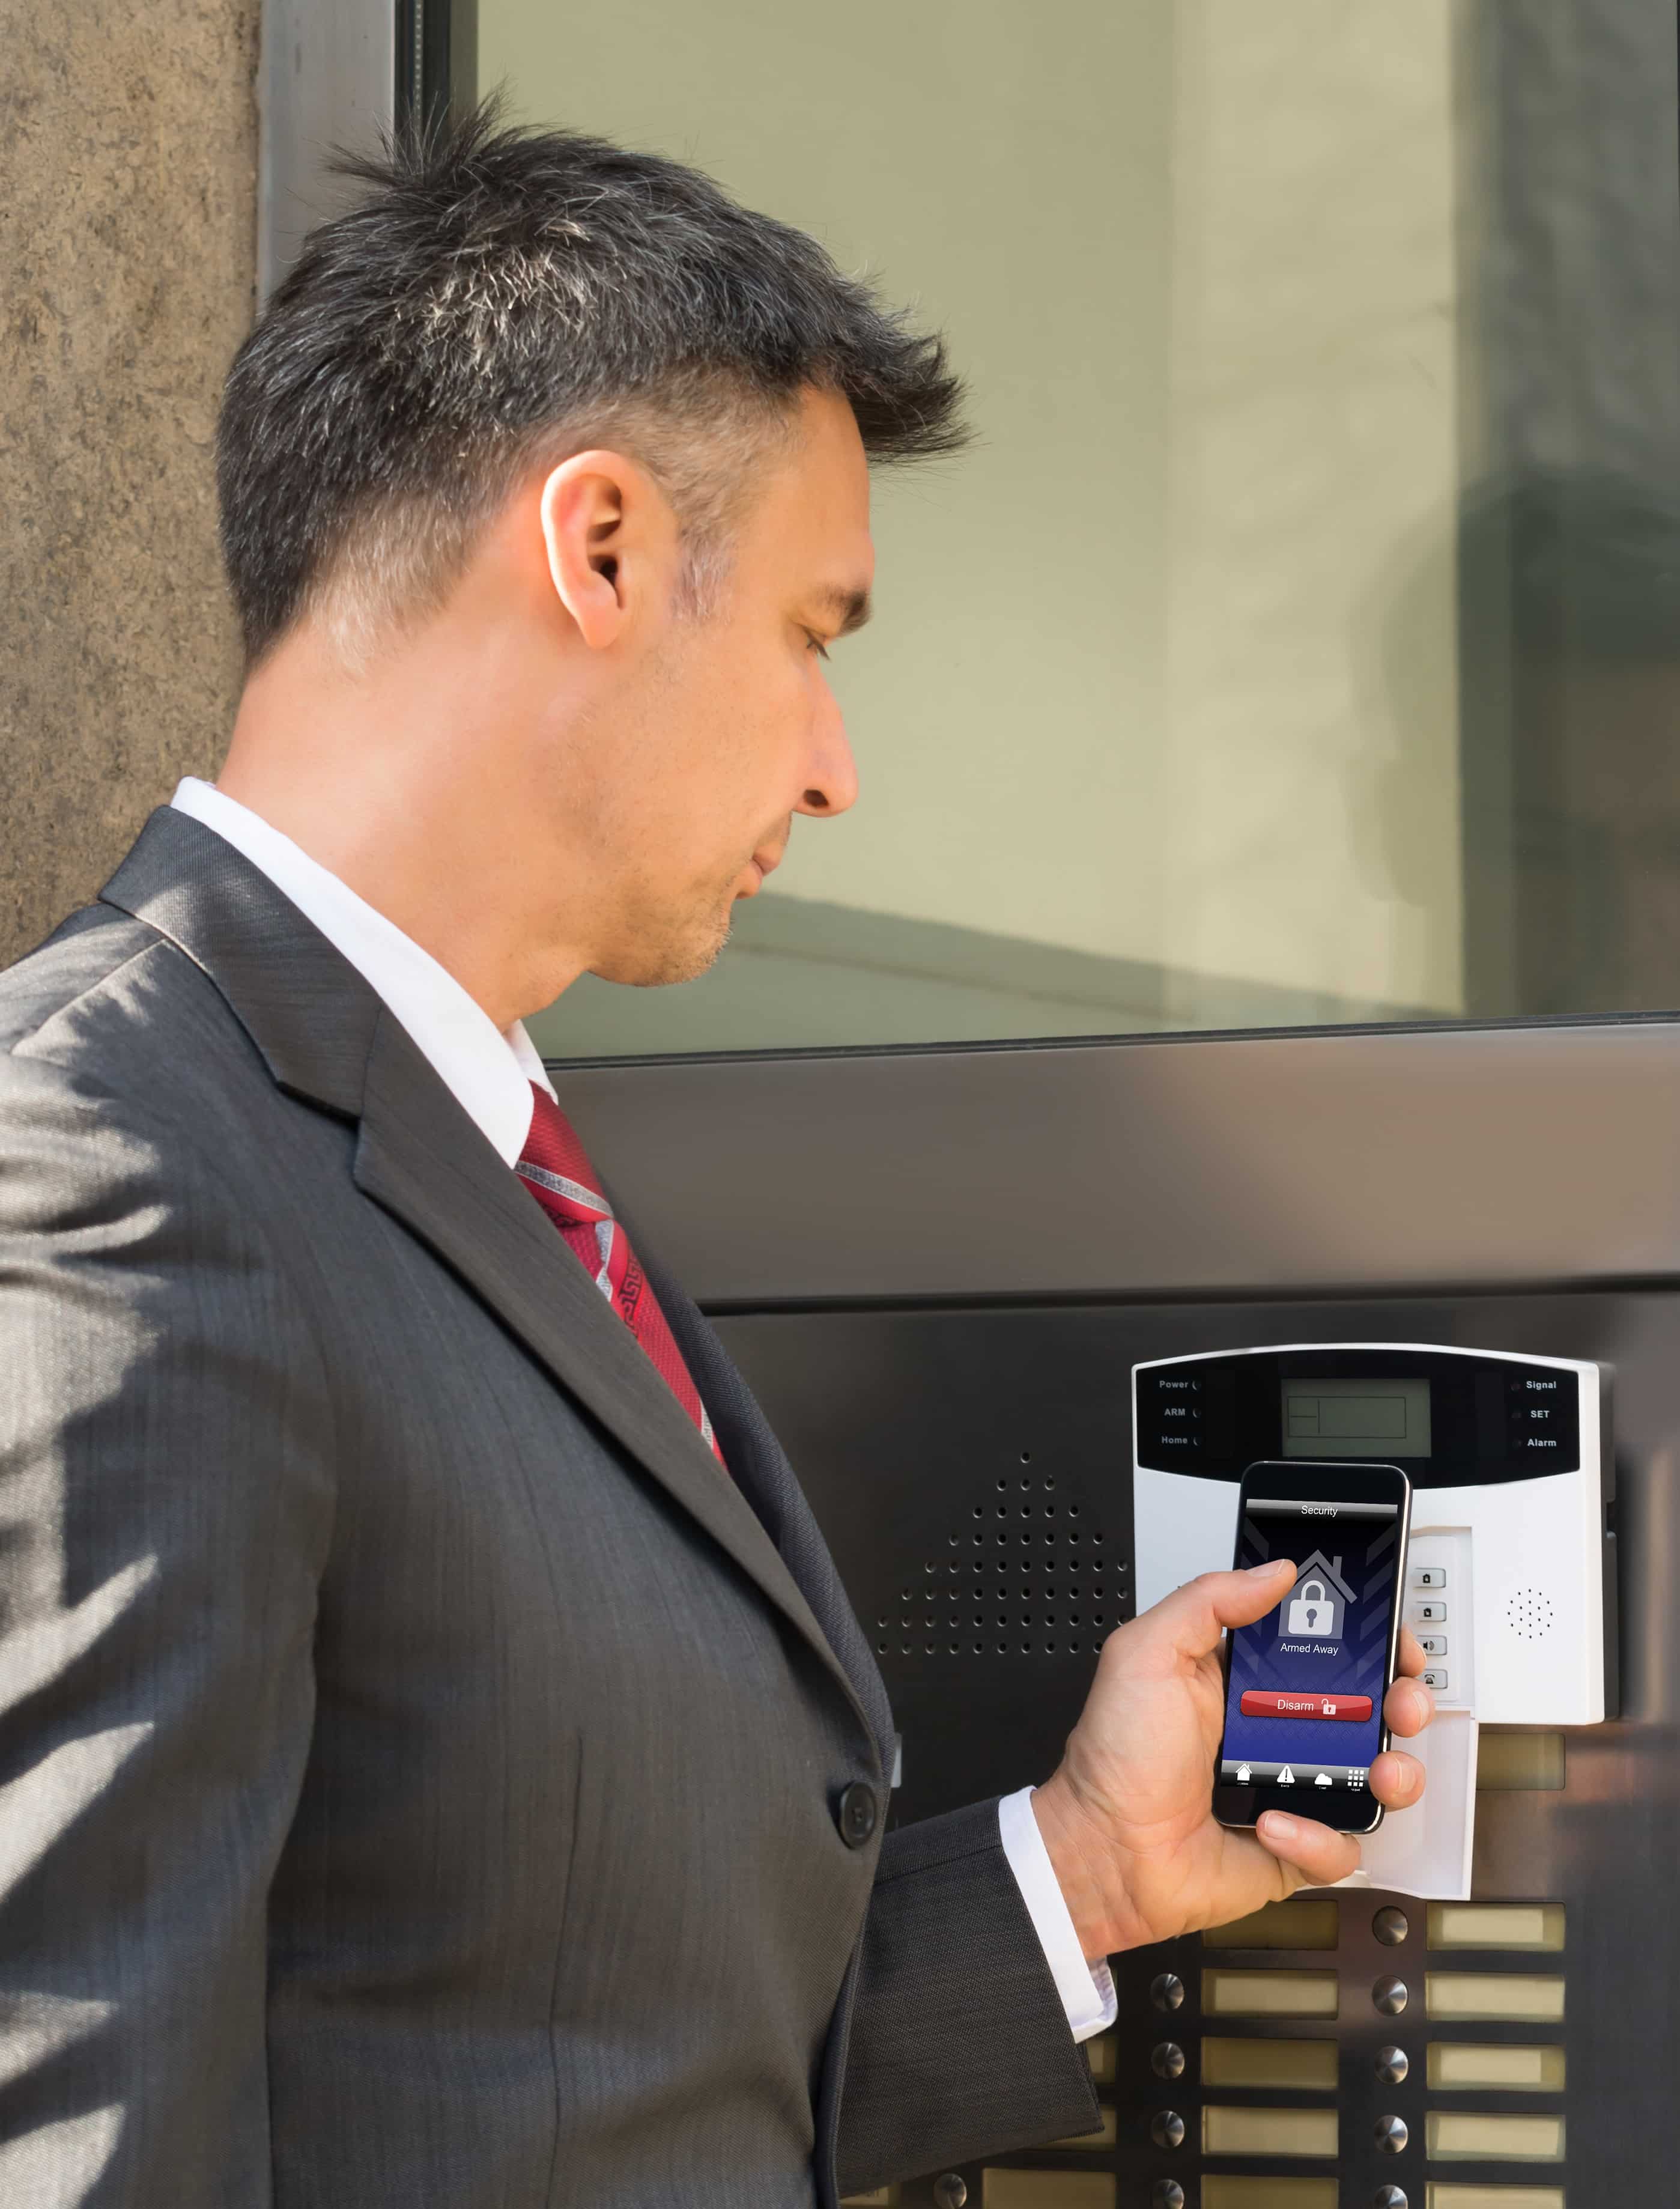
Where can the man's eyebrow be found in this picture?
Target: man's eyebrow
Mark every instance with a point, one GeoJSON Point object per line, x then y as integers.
{"type": "Point", "coordinates": [851, 608]}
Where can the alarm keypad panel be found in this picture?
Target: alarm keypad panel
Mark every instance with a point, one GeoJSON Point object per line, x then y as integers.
{"type": "Point", "coordinates": [1507, 1568]}
{"type": "Point", "coordinates": [1444, 1416]}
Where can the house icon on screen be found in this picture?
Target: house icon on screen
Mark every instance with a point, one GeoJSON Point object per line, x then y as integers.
{"type": "Point", "coordinates": [1318, 1603]}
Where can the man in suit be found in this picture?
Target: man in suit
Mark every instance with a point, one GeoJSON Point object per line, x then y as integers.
{"type": "Point", "coordinates": [441, 1766]}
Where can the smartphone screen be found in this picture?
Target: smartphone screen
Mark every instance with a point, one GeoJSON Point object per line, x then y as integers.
{"type": "Point", "coordinates": [1305, 1685]}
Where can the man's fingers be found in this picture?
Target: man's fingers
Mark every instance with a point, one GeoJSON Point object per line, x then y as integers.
{"type": "Point", "coordinates": [1411, 1657]}
{"type": "Point", "coordinates": [1396, 1779]}
{"type": "Point", "coordinates": [1407, 1707]}
{"type": "Point", "coordinates": [1192, 1618]}
{"type": "Point", "coordinates": [1321, 1857]}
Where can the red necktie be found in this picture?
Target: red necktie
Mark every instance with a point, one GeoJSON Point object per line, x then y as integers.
{"type": "Point", "coordinates": [555, 1169]}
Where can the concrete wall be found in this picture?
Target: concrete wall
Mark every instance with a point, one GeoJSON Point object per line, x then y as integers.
{"type": "Point", "coordinates": [128, 153]}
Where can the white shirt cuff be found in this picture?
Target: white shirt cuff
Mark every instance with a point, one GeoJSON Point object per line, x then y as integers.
{"type": "Point", "coordinates": [1086, 1989]}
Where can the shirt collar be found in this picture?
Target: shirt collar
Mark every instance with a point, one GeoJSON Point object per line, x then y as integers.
{"type": "Point", "coordinates": [488, 1070]}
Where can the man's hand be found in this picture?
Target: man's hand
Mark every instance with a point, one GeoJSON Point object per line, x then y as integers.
{"type": "Point", "coordinates": [1128, 1818]}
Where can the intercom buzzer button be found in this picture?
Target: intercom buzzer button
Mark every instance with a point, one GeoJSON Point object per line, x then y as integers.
{"type": "Point", "coordinates": [1429, 1576]}
{"type": "Point", "coordinates": [1433, 1613]}
{"type": "Point", "coordinates": [1434, 1676]}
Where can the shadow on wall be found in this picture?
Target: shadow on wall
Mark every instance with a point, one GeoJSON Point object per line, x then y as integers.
{"type": "Point", "coordinates": [799, 974]}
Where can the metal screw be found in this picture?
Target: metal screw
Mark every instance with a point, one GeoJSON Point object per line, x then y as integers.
{"type": "Point", "coordinates": [1391, 2134]}
{"type": "Point", "coordinates": [1391, 2065]}
{"type": "Point", "coordinates": [1166, 2128]}
{"type": "Point", "coordinates": [1166, 1990]}
{"type": "Point", "coordinates": [950, 2191]}
{"type": "Point", "coordinates": [1390, 1996]}
{"type": "Point", "coordinates": [1166, 2060]}
{"type": "Point", "coordinates": [1391, 1927]}
{"type": "Point", "coordinates": [1168, 2194]}
{"type": "Point", "coordinates": [1389, 2197]}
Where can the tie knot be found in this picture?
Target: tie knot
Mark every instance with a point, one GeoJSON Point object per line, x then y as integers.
{"type": "Point", "coordinates": [555, 1163]}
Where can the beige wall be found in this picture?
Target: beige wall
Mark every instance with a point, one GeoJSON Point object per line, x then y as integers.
{"type": "Point", "coordinates": [128, 148]}
{"type": "Point", "coordinates": [1311, 808]}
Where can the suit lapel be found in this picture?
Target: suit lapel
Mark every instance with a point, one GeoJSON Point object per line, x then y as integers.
{"type": "Point", "coordinates": [760, 1463]}
{"type": "Point", "coordinates": [326, 1036]}
{"type": "Point", "coordinates": [420, 1158]}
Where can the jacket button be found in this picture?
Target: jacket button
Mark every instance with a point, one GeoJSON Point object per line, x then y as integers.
{"type": "Point", "coordinates": [855, 1813]}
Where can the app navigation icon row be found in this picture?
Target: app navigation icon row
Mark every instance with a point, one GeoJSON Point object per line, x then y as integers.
{"type": "Point", "coordinates": [1246, 1773]}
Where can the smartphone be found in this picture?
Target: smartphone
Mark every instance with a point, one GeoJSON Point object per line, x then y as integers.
{"type": "Point", "coordinates": [1303, 1686]}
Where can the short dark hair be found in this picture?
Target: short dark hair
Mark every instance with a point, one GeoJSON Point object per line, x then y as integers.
{"type": "Point", "coordinates": [499, 297]}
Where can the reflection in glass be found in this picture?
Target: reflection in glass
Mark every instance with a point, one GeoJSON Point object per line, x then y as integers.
{"type": "Point", "coordinates": [1298, 645]}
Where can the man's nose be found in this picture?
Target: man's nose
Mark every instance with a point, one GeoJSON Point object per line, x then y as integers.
{"type": "Point", "coordinates": [833, 788]}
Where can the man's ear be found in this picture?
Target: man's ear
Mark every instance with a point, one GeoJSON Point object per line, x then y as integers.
{"type": "Point", "coordinates": [610, 533]}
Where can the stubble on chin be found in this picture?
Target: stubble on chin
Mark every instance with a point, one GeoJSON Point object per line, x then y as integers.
{"type": "Point", "coordinates": [671, 949]}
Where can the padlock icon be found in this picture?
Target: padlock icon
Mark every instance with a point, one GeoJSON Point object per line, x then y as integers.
{"type": "Point", "coordinates": [1311, 1612]}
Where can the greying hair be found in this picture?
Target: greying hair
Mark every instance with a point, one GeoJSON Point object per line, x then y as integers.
{"type": "Point", "coordinates": [501, 298]}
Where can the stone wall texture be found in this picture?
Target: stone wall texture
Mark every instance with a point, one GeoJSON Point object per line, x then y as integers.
{"type": "Point", "coordinates": [128, 178]}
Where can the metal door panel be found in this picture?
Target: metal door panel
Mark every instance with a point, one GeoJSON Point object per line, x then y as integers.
{"type": "Point", "coordinates": [938, 1269]}
{"type": "Point", "coordinates": [1245, 1164]}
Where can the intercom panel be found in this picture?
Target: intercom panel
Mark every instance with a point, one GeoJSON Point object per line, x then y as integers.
{"type": "Point", "coordinates": [1259, 2063]}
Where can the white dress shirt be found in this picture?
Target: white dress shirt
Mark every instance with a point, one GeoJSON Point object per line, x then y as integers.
{"type": "Point", "coordinates": [489, 1071]}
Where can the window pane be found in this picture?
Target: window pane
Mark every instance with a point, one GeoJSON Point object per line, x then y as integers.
{"type": "Point", "coordinates": [1297, 645]}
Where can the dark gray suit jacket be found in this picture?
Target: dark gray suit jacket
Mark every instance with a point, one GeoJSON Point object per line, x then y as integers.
{"type": "Point", "coordinates": [421, 1762]}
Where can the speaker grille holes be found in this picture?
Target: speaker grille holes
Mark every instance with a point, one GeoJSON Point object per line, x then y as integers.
{"type": "Point", "coordinates": [1529, 1614]}
{"type": "Point", "coordinates": [1030, 1567]}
